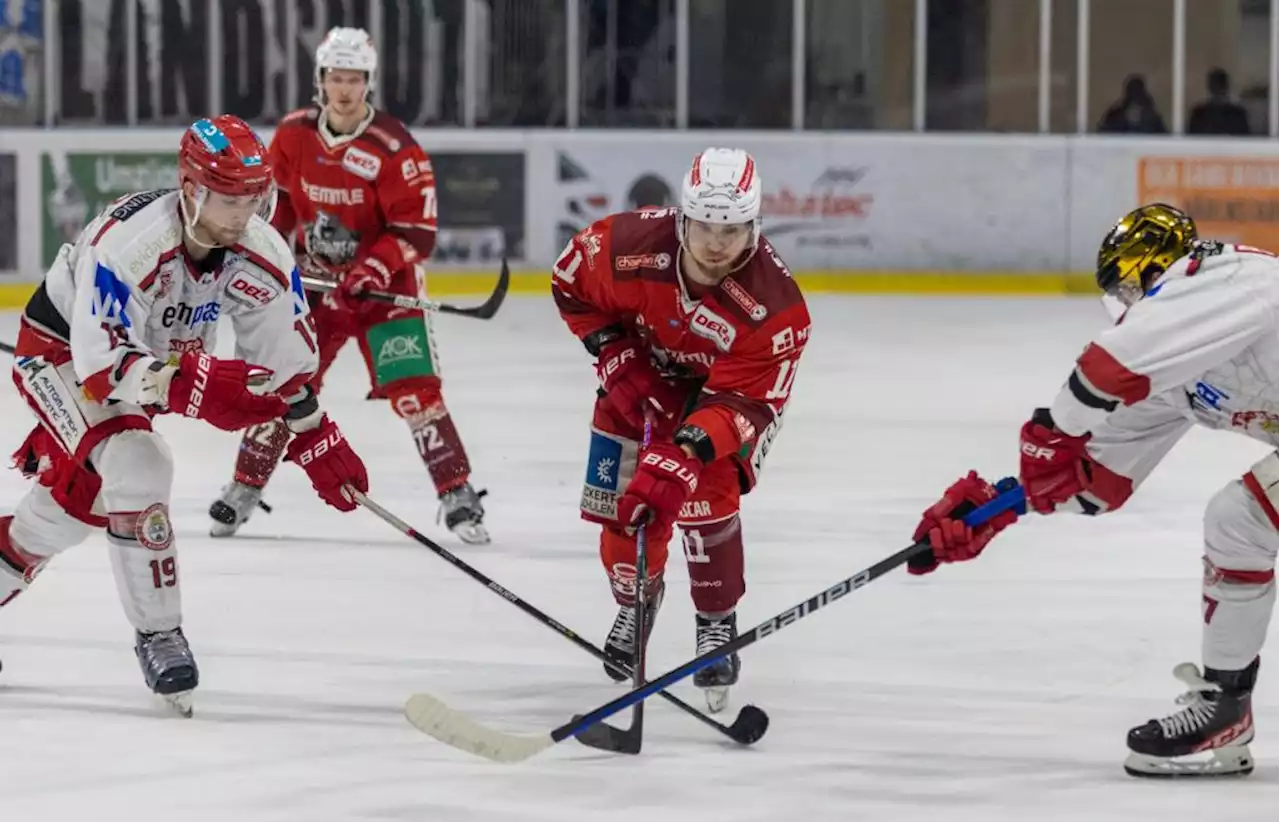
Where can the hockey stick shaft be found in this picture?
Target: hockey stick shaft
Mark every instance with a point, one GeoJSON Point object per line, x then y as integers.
{"type": "Point", "coordinates": [484, 311]}
{"type": "Point", "coordinates": [553, 624]}
{"type": "Point", "coordinates": [1010, 498]}
{"type": "Point", "coordinates": [6, 348]}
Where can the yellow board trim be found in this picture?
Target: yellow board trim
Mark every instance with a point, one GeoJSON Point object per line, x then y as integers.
{"type": "Point", "coordinates": [973, 283]}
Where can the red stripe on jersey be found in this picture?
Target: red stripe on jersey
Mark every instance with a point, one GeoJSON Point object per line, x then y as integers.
{"type": "Point", "coordinates": [695, 174]}
{"type": "Point", "coordinates": [1105, 373]}
{"type": "Point", "coordinates": [263, 263]}
{"type": "Point", "coordinates": [103, 230]}
{"type": "Point", "coordinates": [150, 279]}
{"type": "Point", "coordinates": [1260, 494]}
{"type": "Point", "coordinates": [748, 174]}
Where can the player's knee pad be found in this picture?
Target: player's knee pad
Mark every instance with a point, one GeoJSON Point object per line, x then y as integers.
{"type": "Point", "coordinates": [611, 462]}
{"type": "Point", "coordinates": [1239, 532]}
{"type": "Point", "coordinates": [414, 398]}
{"type": "Point", "coordinates": [38, 531]}
{"type": "Point", "coordinates": [42, 527]}
{"type": "Point", "coordinates": [1239, 589]}
{"type": "Point", "coordinates": [136, 469]}
{"type": "Point", "coordinates": [618, 552]}
{"type": "Point", "coordinates": [402, 348]}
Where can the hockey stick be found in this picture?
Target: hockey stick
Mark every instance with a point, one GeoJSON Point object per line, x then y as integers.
{"type": "Point", "coordinates": [455, 728]}
{"type": "Point", "coordinates": [751, 722]}
{"type": "Point", "coordinates": [484, 311]}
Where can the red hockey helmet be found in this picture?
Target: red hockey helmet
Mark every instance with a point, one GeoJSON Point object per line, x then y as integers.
{"type": "Point", "coordinates": [226, 156]}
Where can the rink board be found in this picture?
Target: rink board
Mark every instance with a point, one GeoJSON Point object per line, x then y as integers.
{"type": "Point", "coordinates": [857, 212]}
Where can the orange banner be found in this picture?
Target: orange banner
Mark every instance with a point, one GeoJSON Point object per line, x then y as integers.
{"type": "Point", "coordinates": [1232, 199]}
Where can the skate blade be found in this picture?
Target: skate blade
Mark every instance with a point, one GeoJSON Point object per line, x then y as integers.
{"type": "Point", "coordinates": [1231, 761]}
{"type": "Point", "coordinates": [472, 533]}
{"type": "Point", "coordinates": [180, 703]}
{"type": "Point", "coordinates": [717, 699]}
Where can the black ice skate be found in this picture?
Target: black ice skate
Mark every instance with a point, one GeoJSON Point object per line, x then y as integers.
{"type": "Point", "coordinates": [463, 514]}
{"type": "Point", "coordinates": [233, 509]}
{"type": "Point", "coordinates": [1208, 737]}
{"type": "Point", "coordinates": [716, 678]}
{"type": "Point", "coordinates": [168, 667]}
{"type": "Point", "coordinates": [620, 646]}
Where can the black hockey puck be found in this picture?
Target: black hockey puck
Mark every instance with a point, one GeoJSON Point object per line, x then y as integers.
{"type": "Point", "coordinates": [750, 726]}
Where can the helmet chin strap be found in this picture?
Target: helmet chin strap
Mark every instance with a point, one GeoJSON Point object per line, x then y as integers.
{"type": "Point", "coordinates": [189, 219]}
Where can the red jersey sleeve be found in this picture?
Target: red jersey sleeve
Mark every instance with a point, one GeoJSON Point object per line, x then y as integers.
{"type": "Point", "coordinates": [582, 281]}
{"type": "Point", "coordinates": [407, 198]}
{"type": "Point", "coordinates": [284, 219]}
{"type": "Point", "coordinates": [747, 390]}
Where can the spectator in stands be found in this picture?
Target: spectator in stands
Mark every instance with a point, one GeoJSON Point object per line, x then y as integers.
{"type": "Point", "coordinates": [1219, 114]}
{"type": "Point", "coordinates": [1133, 113]}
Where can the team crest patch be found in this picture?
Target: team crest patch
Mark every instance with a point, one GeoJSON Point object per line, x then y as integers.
{"type": "Point", "coordinates": [153, 529]}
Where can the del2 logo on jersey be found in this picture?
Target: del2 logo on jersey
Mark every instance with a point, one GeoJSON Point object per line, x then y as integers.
{"type": "Point", "coordinates": [707, 323]}
{"type": "Point", "coordinates": [361, 163]}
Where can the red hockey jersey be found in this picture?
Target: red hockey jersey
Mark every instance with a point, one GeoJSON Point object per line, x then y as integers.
{"type": "Point", "coordinates": [345, 199]}
{"type": "Point", "coordinates": [745, 337]}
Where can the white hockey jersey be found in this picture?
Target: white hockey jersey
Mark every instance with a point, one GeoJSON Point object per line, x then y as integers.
{"type": "Point", "coordinates": [126, 295]}
{"type": "Point", "coordinates": [1199, 348]}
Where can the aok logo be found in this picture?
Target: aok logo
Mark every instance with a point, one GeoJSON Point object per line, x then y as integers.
{"type": "Point", "coordinates": [399, 348]}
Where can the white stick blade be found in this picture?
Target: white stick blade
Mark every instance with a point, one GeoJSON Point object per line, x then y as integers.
{"type": "Point", "coordinates": [434, 718]}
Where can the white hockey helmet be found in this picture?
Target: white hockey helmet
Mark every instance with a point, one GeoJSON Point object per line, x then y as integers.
{"type": "Point", "coordinates": [347, 48]}
{"type": "Point", "coordinates": [722, 186]}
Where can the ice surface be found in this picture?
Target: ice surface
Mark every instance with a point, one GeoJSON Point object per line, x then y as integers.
{"type": "Point", "coordinates": [998, 690]}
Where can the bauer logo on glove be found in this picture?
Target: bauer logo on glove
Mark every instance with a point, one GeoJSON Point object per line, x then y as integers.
{"type": "Point", "coordinates": [672, 466]}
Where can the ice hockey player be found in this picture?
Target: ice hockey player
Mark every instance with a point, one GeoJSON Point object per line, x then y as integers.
{"type": "Point", "coordinates": [693, 320]}
{"type": "Point", "coordinates": [1197, 344]}
{"type": "Point", "coordinates": [123, 328]}
{"type": "Point", "coordinates": [358, 198]}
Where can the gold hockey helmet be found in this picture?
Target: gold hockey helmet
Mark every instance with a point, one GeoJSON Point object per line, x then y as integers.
{"type": "Point", "coordinates": [1140, 247]}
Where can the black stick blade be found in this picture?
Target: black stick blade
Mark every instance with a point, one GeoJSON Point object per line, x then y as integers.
{"type": "Point", "coordinates": [489, 307]}
{"type": "Point", "coordinates": [606, 737]}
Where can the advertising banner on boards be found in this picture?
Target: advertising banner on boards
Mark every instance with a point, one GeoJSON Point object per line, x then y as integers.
{"type": "Point", "coordinates": [480, 199]}
{"type": "Point", "coordinates": [828, 207]}
{"type": "Point", "coordinates": [481, 205]}
{"type": "Point", "coordinates": [9, 212]}
{"type": "Point", "coordinates": [1232, 199]}
{"type": "Point", "coordinates": [75, 187]}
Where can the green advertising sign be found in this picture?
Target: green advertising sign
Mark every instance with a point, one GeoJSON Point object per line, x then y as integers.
{"type": "Point", "coordinates": [77, 186]}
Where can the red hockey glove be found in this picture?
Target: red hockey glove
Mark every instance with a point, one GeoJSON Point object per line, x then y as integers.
{"type": "Point", "coordinates": [217, 391]}
{"type": "Point", "coordinates": [330, 463]}
{"type": "Point", "coordinates": [948, 536]}
{"type": "Point", "coordinates": [632, 386]}
{"type": "Point", "coordinates": [369, 275]}
{"type": "Point", "coordinates": [664, 480]}
{"type": "Point", "coordinates": [1052, 466]}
